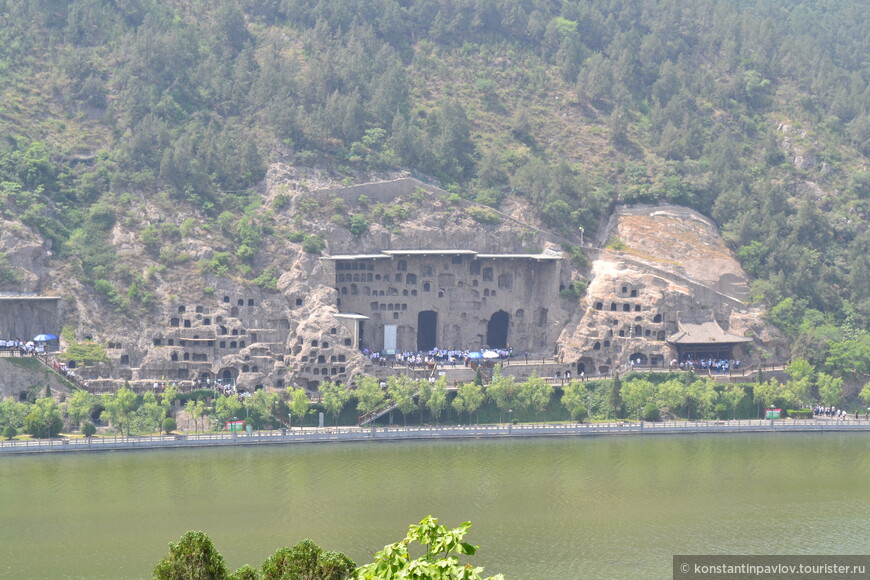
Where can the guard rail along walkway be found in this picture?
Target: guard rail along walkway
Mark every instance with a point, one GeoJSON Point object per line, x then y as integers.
{"type": "Point", "coordinates": [394, 433]}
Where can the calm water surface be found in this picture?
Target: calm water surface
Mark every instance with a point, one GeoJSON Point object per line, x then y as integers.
{"type": "Point", "coordinates": [607, 507]}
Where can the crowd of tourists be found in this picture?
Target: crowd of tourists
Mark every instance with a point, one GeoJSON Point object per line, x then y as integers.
{"type": "Point", "coordinates": [438, 357]}
{"type": "Point", "coordinates": [835, 413]}
{"type": "Point", "coordinates": [714, 365]}
{"type": "Point", "coordinates": [16, 345]}
{"type": "Point", "coordinates": [63, 370]}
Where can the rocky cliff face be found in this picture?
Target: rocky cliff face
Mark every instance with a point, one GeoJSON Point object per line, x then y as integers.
{"type": "Point", "coordinates": [204, 323]}
{"type": "Point", "coordinates": [666, 269]}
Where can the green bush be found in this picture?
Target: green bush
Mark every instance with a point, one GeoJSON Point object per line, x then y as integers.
{"type": "Point", "coordinates": [799, 413]}
{"type": "Point", "coordinates": [313, 245]}
{"type": "Point", "coordinates": [150, 237]}
{"type": "Point", "coordinates": [296, 237]}
{"type": "Point", "coordinates": [9, 432]}
{"type": "Point", "coordinates": [281, 201]}
{"type": "Point", "coordinates": [616, 244]}
{"type": "Point", "coordinates": [578, 258]}
{"type": "Point", "coordinates": [88, 429]}
{"type": "Point", "coordinates": [651, 413]}
{"type": "Point", "coordinates": [358, 224]}
{"type": "Point", "coordinates": [219, 263]}
{"type": "Point", "coordinates": [169, 425]}
{"type": "Point", "coordinates": [484, 215]}
{"type": "Point", "coordinates": [268, 280]}
{"type": "Point", "coordinates": [575, 291]}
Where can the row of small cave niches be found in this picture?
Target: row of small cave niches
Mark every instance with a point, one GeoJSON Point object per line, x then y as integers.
{"type": "Point", "coordinates": [315, 343]}
{"type": "Point", "coordinates": [313, 357]}
{"type": "Point", "coordinates": [614, 307]}
{"type": "Point", "coordinates": [200, 309]}
{"type": "Point", "coordinates": [202, 342]}
{"type": "Point", "coordinates": [324, 371]}
{"type": "Point", "coordinates": [660, 336]}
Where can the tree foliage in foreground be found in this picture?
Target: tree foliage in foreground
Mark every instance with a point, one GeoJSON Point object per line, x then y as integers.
{"type": "Point", "coordinates": [194, 557]}
{"type": "Point", "coordinates": [440, 562]}
{"type": "Point", "coordinates": [307, 560]}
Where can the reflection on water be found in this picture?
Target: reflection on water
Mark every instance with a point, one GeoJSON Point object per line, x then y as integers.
{"type": "Point", "coordinates": [541, 509]}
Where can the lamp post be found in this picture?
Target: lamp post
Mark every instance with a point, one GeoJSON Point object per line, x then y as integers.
{"type": "Point", "coordinates": [510, 419]}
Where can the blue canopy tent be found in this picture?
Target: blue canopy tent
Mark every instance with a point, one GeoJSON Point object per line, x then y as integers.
{"type": "Point", "coordinates": [46, 342]}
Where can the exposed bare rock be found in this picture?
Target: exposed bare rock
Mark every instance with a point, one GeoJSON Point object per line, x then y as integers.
{"type": "Point", "coordinates": [673, 272]}
{"type": "Point", "coordinates": [202, 323]}
{"type": "Point", "coordinates": [16, 379]}
{"type": "Point", "coordinates": [26, 254]}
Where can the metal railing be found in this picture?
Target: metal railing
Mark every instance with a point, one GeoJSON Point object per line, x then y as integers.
{"type": "Point", "coordinates": [500, 430]}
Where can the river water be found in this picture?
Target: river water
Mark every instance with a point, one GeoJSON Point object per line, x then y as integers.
{"type": "Point", "coordinates": [592, 507]}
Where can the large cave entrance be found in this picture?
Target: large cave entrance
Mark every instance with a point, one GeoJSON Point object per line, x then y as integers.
{"type": "Point", "coordinates": [427, 324]}
{"type": "Point", "coordinates": [497, 330]}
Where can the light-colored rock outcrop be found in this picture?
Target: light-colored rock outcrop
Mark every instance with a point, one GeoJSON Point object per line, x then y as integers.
{"type": "Point", "coordinates": [201, 324]}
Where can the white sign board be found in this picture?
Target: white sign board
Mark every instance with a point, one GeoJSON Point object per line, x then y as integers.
{"type": "Point", "coordinates": [390, 338]}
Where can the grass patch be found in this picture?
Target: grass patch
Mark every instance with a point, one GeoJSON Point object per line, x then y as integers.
{"type": "Point", "coordinates": [26, 362]}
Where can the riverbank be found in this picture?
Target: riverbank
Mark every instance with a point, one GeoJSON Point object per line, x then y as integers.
{"type": "Point", "coordinates": [396, 433]}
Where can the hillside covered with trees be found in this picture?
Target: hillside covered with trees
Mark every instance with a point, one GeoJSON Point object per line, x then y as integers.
{"type": "Point", "coordinates": [756, 113]}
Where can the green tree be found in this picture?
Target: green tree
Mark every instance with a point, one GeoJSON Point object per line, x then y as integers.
{"type": "Point", "coordinates": [226, 408]}
{"type": "Point", "coordinates": [733, 395]}
{"type": "Point", "coordinates": [469, 397]}
{"type": "Point", "coordinates": [796, 392]}
{"type": "Point", "coordinates": [830, 389]}
{"type": "Point", "coordinates": [636, 393]}
{"type": "Point", "coordinates": [307, 560]}
{"type": "Point", "coordinates": [438, 399]}
{"type": "Point", "coordinates": [502, 391]}
{"type": "Point", "coordinates": [701, 395]}
{"type": "Point", "coordinates": [149, 416]}
{"type": "Point", "coordinates": [246, 572]}
{"type": "Point", "coordinates": [195, 410]}
{"type": "Point", "coordinates": [442, 548]}
{"type": "Point", "coordinates": [424, 393]}
{"type": "Point", "coordinates": [768, 392]}
{"type": "Point", "coordinates": [334, 397]}
{"type": "Point", "coordinates": [170, 393]}
{"type": "Point", "coordinates": [369, 395]}
{"type": "Point", "coordinates": [574, 399]}
{"type": "Point", "coordinates": [865, 393]}
{"type": "Point", "coordinates": [12, 413]}
{"type": "Point", "coordinates": [614, 398]}
{"type": "Point", "coordinates": [79, 406]}
{"type": "Point", "coordinates": [851, 356]}
{"type": "Point", "coordinates": [535, 394]}
{"type": "Point", "coordinates": [44, 418]}
{"type": "Point", "coordinates": [799, 369]}
{"type": "Point", "coordinates": [300, 404]}
{"type": "Point", "coordinates": [402, 392]}
{"type": "Point", "coordinates": [119, 408]}
{"type": "Point", "coordinates": [261, 407]}
{"type": "Point", "coordinates": [670, 395]}
{"type": "Point", "coordinates": [192, 557]}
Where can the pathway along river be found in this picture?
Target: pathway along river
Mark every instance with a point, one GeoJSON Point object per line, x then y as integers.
{"type": "Point", "coordinates": [608, 507]}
